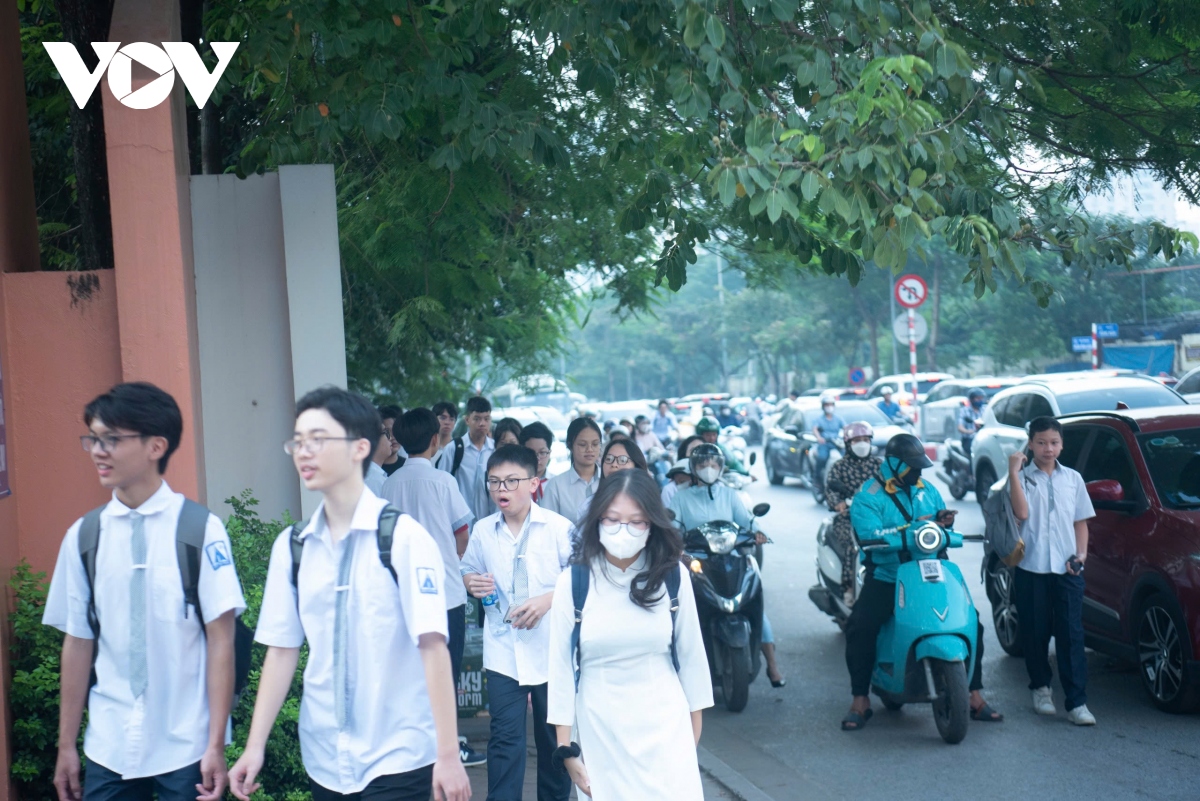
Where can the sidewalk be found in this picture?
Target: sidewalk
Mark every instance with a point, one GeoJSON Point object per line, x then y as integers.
{"type": "Point", "coordinates": [476, 731]}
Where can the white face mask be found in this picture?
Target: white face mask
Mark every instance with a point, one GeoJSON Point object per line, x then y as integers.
{"type": "Point", "coordinates": [861, 449]}
{"type": "Point", "coordinates": [643, 427]}
{"type": "Point", "coordinates": [622, 541]}
{"type": "Point", "coordinates": [708, 475]}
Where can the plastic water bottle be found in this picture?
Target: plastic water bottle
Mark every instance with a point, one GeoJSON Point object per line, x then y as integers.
{"type": "Point", "coordinates": [490, 600]}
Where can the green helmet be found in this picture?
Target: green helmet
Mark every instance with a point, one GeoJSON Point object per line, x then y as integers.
{"type": "Point", "coordinates": [708, 425]}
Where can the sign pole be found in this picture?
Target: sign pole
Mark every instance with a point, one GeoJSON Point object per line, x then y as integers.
{"type": "Point", "coordinates": [912, 352]}
{"type": "Point", "coordinates": [1095, 348]}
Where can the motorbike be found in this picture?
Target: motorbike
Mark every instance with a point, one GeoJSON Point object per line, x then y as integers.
{"type": "Point", "coordinates": [956, 470]}
{"type": "Point", "coordinates": [729, 601]}
{"type": "Point", "coordinates": [817, 482]}
{"type": "Point", "coordinates": [733, 439]}
{"type": "Point", "coordinates": [738, 483]}
{"type": "Point", "coordinates": [828, 594]}
{"type": "Point", "coordinates": [925, 652]}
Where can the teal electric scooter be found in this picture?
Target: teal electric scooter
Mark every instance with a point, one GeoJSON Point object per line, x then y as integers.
{"type": "Point", "coordinates": [926, 653]}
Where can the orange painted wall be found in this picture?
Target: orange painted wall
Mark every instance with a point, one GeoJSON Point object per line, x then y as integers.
{"type": "Point", "coordinates": [63, 350]}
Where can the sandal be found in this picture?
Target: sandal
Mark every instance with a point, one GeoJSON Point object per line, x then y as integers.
{"type": "Point", "coordinates": [854, 721]}
{"type": "Point", "coordinates": [986, 714]}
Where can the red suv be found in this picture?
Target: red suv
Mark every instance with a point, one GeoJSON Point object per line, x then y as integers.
{"type": "Point", "coordinates": [1142, 470]}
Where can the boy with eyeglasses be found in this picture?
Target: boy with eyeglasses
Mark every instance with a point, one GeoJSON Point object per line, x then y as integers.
{"type": "Point", "coordinates": [516, 556]}
{"type": "Point", "coordinates": [396, 455]}
{"type": "Point", "coordinates": [378, 717]}
{"type": "Point", "coordinates": [162, 670]}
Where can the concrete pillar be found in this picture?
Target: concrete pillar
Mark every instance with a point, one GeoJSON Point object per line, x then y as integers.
{"type": "Point", "coordinates": [152, 238]}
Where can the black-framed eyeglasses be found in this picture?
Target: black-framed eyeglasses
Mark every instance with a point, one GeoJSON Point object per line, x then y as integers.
{"type": "Point", "coordinates": [507, 484]}
{"type": "Point", "coordinates": [621, 461]}
{"type": "Point", "coordinates": [106, 442]}
{"type": "Point", "coordinates": [311, 444]}
{"type": "Point", "coordinates": [542, 454]}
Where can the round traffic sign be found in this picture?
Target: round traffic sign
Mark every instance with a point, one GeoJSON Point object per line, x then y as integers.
{"type": "Point", "coordinates": [900, 328]}
{"type": "Point", "coordinates": [911, 291]}
{"type": "Point", "coordinates": [857, 376]}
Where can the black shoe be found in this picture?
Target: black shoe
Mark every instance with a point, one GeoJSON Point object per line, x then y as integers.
{"type": "Point", "coordinates": [470, 757]}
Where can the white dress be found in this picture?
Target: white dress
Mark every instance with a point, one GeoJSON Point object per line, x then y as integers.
{"type": "Point", "coordinates": [632, 711]}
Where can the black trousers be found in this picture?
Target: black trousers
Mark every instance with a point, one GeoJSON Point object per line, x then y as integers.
{"type": "Point", "coordinates": [102, 784]}
{"type": "Point", "coordinates": [415, 785]}
{"type": "Point", "coordinates": [507, 746]}
{"type": "Point", "coordinates": [1050, 604]}
{"type": "Point", "coordinates": [874, 607]}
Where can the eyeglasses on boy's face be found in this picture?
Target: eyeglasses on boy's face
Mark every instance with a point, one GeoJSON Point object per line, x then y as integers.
{"type": "Point", "coordinates": [506, 484]}
{"type": "Point", "coordinates": [311, 445]}
{"type": "Point", "coordinates": [620, 461]}
{"type": "Point", "coordinates": [106, 442]}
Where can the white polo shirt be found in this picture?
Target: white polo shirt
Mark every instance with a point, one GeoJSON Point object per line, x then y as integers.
{"type": "Point", "coordinates": [1049, 533]}
{"type": "Point", "coordinates": [431, 497]}
{"type": "Point", "coordinates": [390, 722]}
{"type": "Point", "coordinates": [566, 492]}
{"type": "Point", "coordinates": [167, 728]}
{"type": "Point", "coordinates": [472, 474]}
{"type": "Point", "coordinates": [492, 549]}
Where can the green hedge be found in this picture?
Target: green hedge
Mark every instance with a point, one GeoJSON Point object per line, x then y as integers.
{"type": "Point", "coordinates": [34, 653]}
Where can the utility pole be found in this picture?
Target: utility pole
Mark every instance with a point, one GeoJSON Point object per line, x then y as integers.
{"type": "Point", "coordinates": [892, 304]}
{"type": "Point", "coordinates": [724, 346]}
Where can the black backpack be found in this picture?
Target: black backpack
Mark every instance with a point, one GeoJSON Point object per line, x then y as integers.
{"type": "Point", "coordinates": [189, 540]}
{"type": "Point", "coordinates": [383, 540]}
{"type": "Point", "coordinates": [581, 577]}
{"type": "Point", "coordinates": [459, 448]}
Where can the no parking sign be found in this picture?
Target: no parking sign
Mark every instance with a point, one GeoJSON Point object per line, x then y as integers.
{"type": "Point", "coordinates": [857, 376]}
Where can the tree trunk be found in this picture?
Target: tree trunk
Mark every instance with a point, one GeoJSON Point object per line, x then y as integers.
{"type": "Point", "coordinates": [931, 348]}
{"type": "Point", "coordinates": [873, 324]}
{"type": "Point", "coordinates": [84, 22]}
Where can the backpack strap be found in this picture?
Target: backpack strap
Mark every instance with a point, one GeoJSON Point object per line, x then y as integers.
{"type": "Point", "coordinates": [581, 576]}
{"type": "Point", "coordinates": [89, 543]}
{"type": "Point", "coordinates": [904, 512]}
{"type": "Point", "coordinates": [189, 541]}
{"type": "Point", "coordinates": [297, 546]}
{"type": "Point", "coordinates": [383, 537]}
{"type": "Point", "coordinates": [459, 449]}
{"type": "Point", "coordinates": [673, 593]}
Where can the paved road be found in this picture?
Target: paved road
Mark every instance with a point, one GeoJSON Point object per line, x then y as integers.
{"type": "Point", "coordinates": [788, 743]}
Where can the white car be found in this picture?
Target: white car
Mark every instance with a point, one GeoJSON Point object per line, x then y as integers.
{"type": "Point", "coordinates": [1189, 385]}
{"type": "Point", "coordinates": [902, 386]}
{"type": "Point", "coordinates": [939, 412]}
{"type": "Point", "coordinates": [1005, 418]}
{"type": "Point", "coordinates": [556, 421]}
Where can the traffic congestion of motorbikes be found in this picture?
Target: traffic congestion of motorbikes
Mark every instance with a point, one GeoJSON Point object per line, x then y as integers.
{"type": "Point", "coordinates": [832, 442]}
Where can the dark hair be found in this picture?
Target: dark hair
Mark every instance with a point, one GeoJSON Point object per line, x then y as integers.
{"type": "Point", "coordinates": [631, 450]}
{"type": "Point", "coordinates": [664, 547]}
{"type": "Point", "coordinates": [661, 402]}
{"type": "Point", "coordinates": [479, 404]}
{"type": "Point", "coordinates": [390, 412]}
{"type": "Point", "coordinates": [1039, 424]}
{"type": "Point", "coordinates": [536, 430]}
{"type": "Point", "coordinates": [577, 427]}
{"type": "Point", "coordinates": [142, 408]}
{"type": "Point", "coordinates": [352, 411]}
{"type": "Point", "coordinates": [447, 407]}
{"type": "Point", "coordinates": [513, 454]}
{"type": "Point", "coordinates": [415, 430]}
{"type": "Point", "coordinates": [681, 452]}
{"type": "Point", "coordinates": [507, 425]}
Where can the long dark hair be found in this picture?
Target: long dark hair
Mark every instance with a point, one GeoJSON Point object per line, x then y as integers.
{"type": "Point", "coordinates": [681, 451]}
{"type": "Point", "coordinates": [631, 450]}
{"type": "Point", "coordinates": [664, 547]}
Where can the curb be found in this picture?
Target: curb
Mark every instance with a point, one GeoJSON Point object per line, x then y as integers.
{"type": "Point", "coordinates": [727, 777]}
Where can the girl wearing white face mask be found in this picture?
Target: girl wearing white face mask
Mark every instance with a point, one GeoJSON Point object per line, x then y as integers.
{"type": "Point", "coordinates": [849, 474]}
{"type": "Point", "coordinates": [637, 719]}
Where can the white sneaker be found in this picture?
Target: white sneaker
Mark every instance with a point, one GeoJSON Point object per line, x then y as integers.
{"type": "Point", "coordinates": [1081, 716]}
{"type": "Point", "coordinates": [1043, 701]}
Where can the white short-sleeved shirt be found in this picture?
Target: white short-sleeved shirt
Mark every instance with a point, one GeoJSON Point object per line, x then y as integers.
{"type": "Point", "coordinates": [1049, 534]}
{"type": "Point", "coordinates": [167, 728]}
{"type": "Point", "coordinates": [390, 722]}
{"type": "Point", "coordinates": [472, 474]}
{"type": "Point", "coordinates": [431, 497]}
{"type": "Point", "coordinates": [566, 492]}
{"type": "Point", "coordinates": [492, 549]}
{"type": "Point", "coordinates": [375, 477]}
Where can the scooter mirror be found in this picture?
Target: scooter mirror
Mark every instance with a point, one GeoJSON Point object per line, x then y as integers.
{"type": "Point", "coordinates": [753, 459]}
{"type": "Point", "coordinates": [761, 509]}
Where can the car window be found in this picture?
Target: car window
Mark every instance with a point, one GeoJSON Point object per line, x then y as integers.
{"type": "Point", "coordinates": [1000, 409]}
{"type": "Point", "coordinates": [1037, 407]}
{"type": "Point", "coordinates": [940, 393]}
{"type": "Point", "coordinates": [1140, 396]}
{"type": "Point", "coordinates": [1074, 438]}
{"type": "Point", "coordinates": [1173, 459]}
{"type": "Point", "coordinates": [1109, 459]}
{"type": "Point", "coordinates": [1013, 412]}
{"type": "Point", "coordinates": [1190, 384]}
{"type": "Point", "coordinates": [926, 386]}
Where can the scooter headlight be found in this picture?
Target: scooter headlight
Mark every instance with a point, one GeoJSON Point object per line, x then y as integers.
{"type": "Point", "coordinates": [930, 538]}
{"type": "Point", "coordinates": [720, 536]}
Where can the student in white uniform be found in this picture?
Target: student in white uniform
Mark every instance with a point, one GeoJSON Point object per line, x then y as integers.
{"type": "Point", "coordinates": [477, 447]}
{"type": "Point", "coordinates": [638, 717]}
{"type": "Point", "coordinates": [518, 554]}
{"type": "Point", "coordinates": [158, 713]}
{"type": "Point", "coordinates": [378, 713]}
{"type": "Point", "coordinates": [566, 492]}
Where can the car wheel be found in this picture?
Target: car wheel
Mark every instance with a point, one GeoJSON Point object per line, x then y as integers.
{"type": "Point", "coordinates": [985, 477]}
{"type": "Point", "coordinates": [1004, 608]}
{"type": "Point", "coordinates": [772, 474]}
{"type": "Point", "coordinates": [1164, 651]}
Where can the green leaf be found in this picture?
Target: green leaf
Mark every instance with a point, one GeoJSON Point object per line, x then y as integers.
{"type": "Point", "coordinates": [727, 186]}
{"type": "Point", "coordinates": [810, 186]}
{"type": "Point", "coordinates": [947, 64]}
{"type": "Point", "coordinates": [774, 204]}
{"type": "Point", "coordinates": [715, 30]}
{"type": "Point", "coordinates": [917, 177]}
{"type": "Point", "coordinates": [784, 10]}
{"type": "Point", "coordinates": [693, 34]}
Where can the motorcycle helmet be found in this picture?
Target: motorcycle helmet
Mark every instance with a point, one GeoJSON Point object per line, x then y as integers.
{"type": "Point", "coordinates": [886, 390]}
{"type": "Point", "coordinates": [680, 466]}
{"type": "Point", "coordinates": [906, 456]}
{"type": "Point", "coordinates": [707, 463]}
{"type": "Point", "coordinates": [977, 397]}
{"type": "Point", "coordinates": [707, 425]}
{"type": "Point", "coordinates": [856, 431]}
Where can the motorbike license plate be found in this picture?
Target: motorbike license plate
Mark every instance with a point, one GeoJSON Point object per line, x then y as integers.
{"type": "Point", "coordinates": [931, 570]}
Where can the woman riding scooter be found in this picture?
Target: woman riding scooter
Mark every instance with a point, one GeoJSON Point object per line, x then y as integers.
{"type": "Point", "coordinates": [846, 477]}
{"type": "Point", "coordinates": [895, 497]}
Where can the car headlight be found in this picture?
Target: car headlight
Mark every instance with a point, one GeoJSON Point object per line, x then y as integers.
{"type": "Point", "coordinates": [720, 537]}
{"type": "Point", "coordinates": [930, 538]}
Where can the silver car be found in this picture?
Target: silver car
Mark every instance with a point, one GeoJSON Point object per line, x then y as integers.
{"type": "Point", "coordinates": [939, 412]}
{"type": "Point", "coordinates": [1005, 418]}
{"type": "Point", "coordinates": [1189, 386]}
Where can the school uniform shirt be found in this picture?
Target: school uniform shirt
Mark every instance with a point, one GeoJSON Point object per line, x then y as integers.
{"type": "Point", "coordinates": [389, 721]}
{"type": "Point", "coordinates": [375, 477]}
{"type": "Point", "coordinates": [166, 728]}
{"type": "Point", "coordinates": [493, 549]}
{"type": "Point", "coordinates": [566, 492]}
{"type": "Point", "coordinates": [431, 497]}
{"type": "Point", "coordinates": [472, 474]}
{"type": "Point", "coordinates": [1056, 502]}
